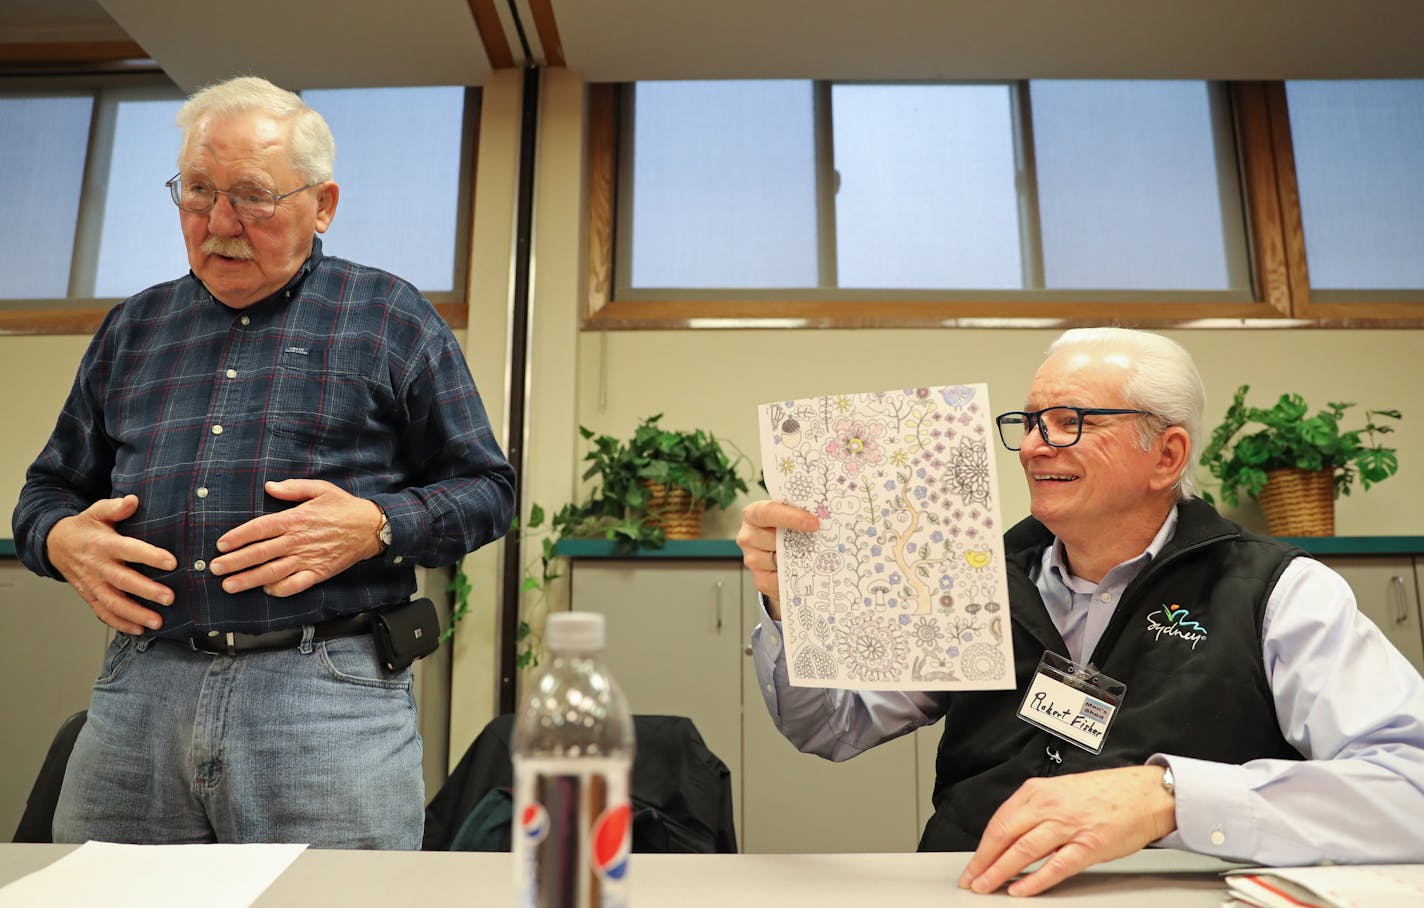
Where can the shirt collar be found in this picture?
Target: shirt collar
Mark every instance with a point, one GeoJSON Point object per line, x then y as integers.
{"type": "Point", "coordinates": [287, 289]}
{"type": "Point", "coordinates": [1055, 562]}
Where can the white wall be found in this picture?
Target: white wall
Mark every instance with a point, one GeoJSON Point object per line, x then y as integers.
{"type": "Point", "coordinates": [716, 379]}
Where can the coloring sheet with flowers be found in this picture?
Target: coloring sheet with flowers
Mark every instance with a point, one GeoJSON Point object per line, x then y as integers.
{"type": "Point", "coordinates": [903, 586]}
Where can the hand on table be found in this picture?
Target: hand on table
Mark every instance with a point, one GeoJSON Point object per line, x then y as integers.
{"type": "Point", "coordinates": [94, 558]}
{"type": "Point", "coordinates": [1074, 821]}
{"type": "Point", "coordinates": [757, 540]}
{"type": "Point", "coordinates": [293, 550]}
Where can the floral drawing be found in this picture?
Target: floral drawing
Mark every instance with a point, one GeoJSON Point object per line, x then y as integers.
{"type": "Point", "coordinates": [900, 586]}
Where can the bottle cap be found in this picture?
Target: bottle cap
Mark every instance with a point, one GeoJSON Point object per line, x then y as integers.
{"type": "Point", "coordinates": [579, 632]}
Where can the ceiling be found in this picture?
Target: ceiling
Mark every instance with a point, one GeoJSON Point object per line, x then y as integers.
{"type": "Point", "coordinates": [336, 43]}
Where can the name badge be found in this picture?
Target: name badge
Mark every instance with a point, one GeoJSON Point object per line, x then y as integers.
{"type": "Point", "coordinates": [1074, 702]}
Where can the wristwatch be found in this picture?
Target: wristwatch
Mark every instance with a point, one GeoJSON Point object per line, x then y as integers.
{"type": "Point", "coordinates": [1168, 782]}
{"type": "Point", "coordinates": [383, 534]}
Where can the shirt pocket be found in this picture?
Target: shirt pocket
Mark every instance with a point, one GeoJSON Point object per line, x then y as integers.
{"type": "Point", "coordinates": [321, 398]}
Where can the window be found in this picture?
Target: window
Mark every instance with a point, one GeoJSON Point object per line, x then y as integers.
{"type": "Point", "coordinates": [137, 235]}
{"type": "Point", "coordinates": [85, 169]}
{"type": "Point", "coordinates": [41, 176]}
{"type": "Point", "coordinates": [398, 162]}
{"type": "Point", "coordinates": [1019, 192]}
{"type": "Point", "coordinates": [724, 193]}
{"type": "Point", "coordinates": [925, 181]}
{"type": "Point", "coordinates": [1137, 186]}
{"type": "Point", "coordinates": [1359, 163]}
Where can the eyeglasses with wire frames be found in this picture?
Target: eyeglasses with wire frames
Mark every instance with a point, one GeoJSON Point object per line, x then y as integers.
{"type": "Point", "coordinates": [1061, 427]}
{"type": "Point", "coordinates": [250, 202]}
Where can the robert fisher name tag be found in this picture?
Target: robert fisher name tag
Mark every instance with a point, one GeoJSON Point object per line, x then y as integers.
{"type": "Point", "coordinates": [1071, 701]}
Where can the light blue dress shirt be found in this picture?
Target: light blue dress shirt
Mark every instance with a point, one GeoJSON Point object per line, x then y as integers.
{"type": "Point", "coordinates": [1345, 698]}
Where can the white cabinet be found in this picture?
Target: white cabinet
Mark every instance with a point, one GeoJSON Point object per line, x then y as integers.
{"type": "Point", "coordinates": [51, 647]}
{"type": "Point", "coordinates": [677, 643]}
{"type": "Point", "coordinates": [1387, 588]}
{"type": "Point", "coordinates": [674, 644]}
{"type": "Point", "coordinates": [800, 803]}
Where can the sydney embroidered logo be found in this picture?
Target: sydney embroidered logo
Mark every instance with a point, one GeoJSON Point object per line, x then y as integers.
{"type": "Point", "coordinates": [1175, 621]}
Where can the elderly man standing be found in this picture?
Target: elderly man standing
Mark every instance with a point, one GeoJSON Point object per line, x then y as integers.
{"type": "Point", "coordinates": [251, 462]}
{"type": "Point", "coordinates": [1289, 731]}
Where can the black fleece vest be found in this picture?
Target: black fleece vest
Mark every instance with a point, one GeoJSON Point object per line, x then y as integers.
{"type": "Point", "coordinates": [1189, 693]}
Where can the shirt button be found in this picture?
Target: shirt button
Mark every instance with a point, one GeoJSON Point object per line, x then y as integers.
{"type": "Point", "coordinates": [232, 373]}
{"type": "Point", "coordinates": [398, 559]}
{"type": "Point", "coordinates": [202, 493]}
{"type": "Point", "coordinates": [1106, 597]}
{"type": "Point", "coordinates": [1217, 837]}
{"type": "Point", "coordinates": [770, 689]}
{"type": "Point", "coordinates": [200, 565]}
{"type": "Point", "coordinates": [245, 320]}
{"type": "Point", "coordinates": [217, 430]}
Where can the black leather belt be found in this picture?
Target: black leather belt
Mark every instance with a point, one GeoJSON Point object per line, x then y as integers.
{"type": "Point", "coordinates": [230, 643]}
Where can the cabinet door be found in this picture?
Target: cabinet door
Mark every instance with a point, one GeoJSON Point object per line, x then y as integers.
{"type": "Point", "coordinates": [1387, 590]}
{"type": "Point", "coordinates": [800, 803]}
{"type": "Point", "coordinates": [674, 644]}
{"type": "Point", "coordinates": [51, 650]}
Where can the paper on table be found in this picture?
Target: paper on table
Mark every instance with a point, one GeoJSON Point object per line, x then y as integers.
{"type": "Point", "coordinates": [1336, 886]}
{"type": "Point", "coordinates": [153, 876]}
{"type": "Point", "coordinates": [903, 587]}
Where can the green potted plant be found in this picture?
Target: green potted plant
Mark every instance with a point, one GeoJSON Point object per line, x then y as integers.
{"type": "Point", "coordinates": [1254, 449]}
{"type": "Point", "coordinates": [643, 481]}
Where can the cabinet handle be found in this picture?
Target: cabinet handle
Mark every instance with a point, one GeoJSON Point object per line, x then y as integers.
{"type": "Point", "coordinates": [719, 606]}
{"type": "Point", "coordinates": [1397, 599]}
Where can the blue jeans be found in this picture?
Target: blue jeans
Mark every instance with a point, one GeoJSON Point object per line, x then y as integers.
{"type": "Point", "coordinates": [315, 744]}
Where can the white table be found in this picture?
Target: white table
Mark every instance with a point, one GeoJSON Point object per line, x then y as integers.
{"type": "Point", "coordinates": [1160, 879]}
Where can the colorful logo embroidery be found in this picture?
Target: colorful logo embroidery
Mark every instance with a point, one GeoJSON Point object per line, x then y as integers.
{"type": "Point", "coordinates": [1175, 621]}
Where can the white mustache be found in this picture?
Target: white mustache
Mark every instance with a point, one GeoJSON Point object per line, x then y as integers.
{"type": "Point", "coordinates": [229, 247]}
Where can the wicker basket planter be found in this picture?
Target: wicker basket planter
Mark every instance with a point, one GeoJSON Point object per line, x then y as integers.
{"type": "Point", "coordinates": [1299, 502]}
{"type": "Point", "coordinates": [674, 510]}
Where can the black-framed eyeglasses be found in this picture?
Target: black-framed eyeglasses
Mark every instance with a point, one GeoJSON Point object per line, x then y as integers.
{"type": "Point", "coordinates": [251, 202]}
{"type": "Point", "coordinates": [1061, 427]}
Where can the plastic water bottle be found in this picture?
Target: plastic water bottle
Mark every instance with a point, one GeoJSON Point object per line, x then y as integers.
{"type": "Point", "coordinates": [573, 752]}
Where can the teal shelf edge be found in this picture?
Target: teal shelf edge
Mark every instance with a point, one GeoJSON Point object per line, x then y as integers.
{"type": "Point", "coordinates": [726, 548]}
{"type": "Point", "coordinates": [1359, 545]}
{"type": "Point", "coordinates": [7, 547]}
{"type": "Point", "coordinates": [674, 548]}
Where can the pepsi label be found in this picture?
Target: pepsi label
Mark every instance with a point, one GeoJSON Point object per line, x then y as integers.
{"type": "Point", "coordinates": [572, 832]}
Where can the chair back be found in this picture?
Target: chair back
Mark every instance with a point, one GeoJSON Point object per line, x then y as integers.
{"type": "Point", "coordinates": [37, 822]}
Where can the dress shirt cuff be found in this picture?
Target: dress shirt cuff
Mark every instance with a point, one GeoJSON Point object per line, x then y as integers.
{"type": "Point", "coordinates": [403, 523]}
{"type": "Point", "coordinates": [769, 659]}
{"type": "Point", "coordinates": [39, 543]}
{"type": "Point", "coordinates": [1214, 808]}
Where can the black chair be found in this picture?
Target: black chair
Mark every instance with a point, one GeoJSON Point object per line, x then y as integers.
{"type": "Point", "coordinates": [681, 792]}
{"type": "Point", "coordinates": [36, 825]}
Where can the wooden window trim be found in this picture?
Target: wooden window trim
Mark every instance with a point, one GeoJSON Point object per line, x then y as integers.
{"type": "Point", "coordinates": [87, 320]}
{"type": "Point", "coordinates": [1275, 237]}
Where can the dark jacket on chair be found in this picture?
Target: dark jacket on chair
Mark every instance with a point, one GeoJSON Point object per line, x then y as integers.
{"type": "Point", "coordinates": [681, 793]}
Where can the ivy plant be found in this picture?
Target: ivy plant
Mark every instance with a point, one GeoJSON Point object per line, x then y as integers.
{"type": "Point", "coordinates": [1251, 440]}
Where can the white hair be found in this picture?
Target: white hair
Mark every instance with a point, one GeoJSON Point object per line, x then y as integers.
{"type": "Point", "coordinates": [1163, 380]}
{"type": "Point", "coordinates": [312, 148]}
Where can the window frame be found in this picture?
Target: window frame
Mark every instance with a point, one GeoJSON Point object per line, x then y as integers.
{"type": "Point", "coordinates": [1275, 245]}
{"type": "Point", "coordinates": [84, 314]}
